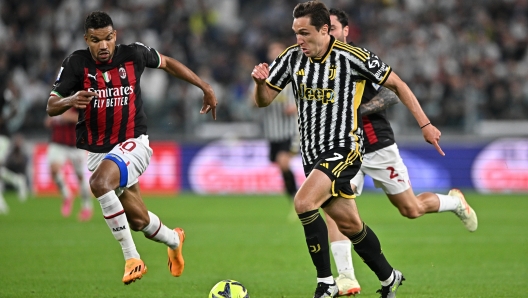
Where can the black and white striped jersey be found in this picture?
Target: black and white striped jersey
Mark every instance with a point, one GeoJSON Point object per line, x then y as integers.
{"type": "Point", "coordinates": [328, 92]}
{"type": "Point", "coordinates": [276, 124]}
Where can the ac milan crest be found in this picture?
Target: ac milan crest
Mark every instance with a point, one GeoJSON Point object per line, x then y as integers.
{"type": "Point", "coordinates": [122, 72]}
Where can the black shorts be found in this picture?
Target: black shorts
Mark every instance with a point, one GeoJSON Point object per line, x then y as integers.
{"type": "Point", "coordinates": [340, 165]}
{"type": "Point", "coordinates": [282, 146]}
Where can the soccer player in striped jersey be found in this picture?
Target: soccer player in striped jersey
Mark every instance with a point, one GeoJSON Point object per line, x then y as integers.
{"type": "Point", "coordinates": [103, 83]}
{"type": "Point", "coordinates": [383, 163]}
{"type": "Point", "coordinates": [62, 149]}
{"type": "Point", "coordinates": [328, 79]}
{"type": "Point", "coordinates": [279, 123]}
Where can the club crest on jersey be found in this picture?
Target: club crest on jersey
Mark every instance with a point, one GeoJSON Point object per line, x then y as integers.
{"type": "Point", "coordinates": [122, 72]}
{"type": "Point", "coordinates": [107, 77]}
{"type": "Point", "coordinates": [333, 72]}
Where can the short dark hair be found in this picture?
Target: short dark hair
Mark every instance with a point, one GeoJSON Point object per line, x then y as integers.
{"type": "Point", "coordinates": [317, 11]}
{"type": "Point", "coordinates": [341, 15]}
{"type": "Point", "coordinates": [97, 20]}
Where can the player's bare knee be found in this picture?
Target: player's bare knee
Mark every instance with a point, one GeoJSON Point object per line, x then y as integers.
{"type": "Point", "coordinates": [303, 205]}
{"type": "Point", "coordinates": [410, 213]}
{"type": "Point", "coordinates": [99, 185]}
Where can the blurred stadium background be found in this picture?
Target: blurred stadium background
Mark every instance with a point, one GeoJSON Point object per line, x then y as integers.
{"type": "Point", "coordinates": [467, 63]}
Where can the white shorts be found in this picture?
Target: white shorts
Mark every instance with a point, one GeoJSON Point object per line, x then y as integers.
{"type": "Point", "coordinates": [59, 154]}
{"type": "Point", "coordinates": [131, 156]}
{"type": "Point", "coordinates": [386, 168]}
{"type": "Point", "coordinates": [5, 146]}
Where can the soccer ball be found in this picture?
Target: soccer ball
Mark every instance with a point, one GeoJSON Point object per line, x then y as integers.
{"type": "Point", "coordinates": [228, 289]}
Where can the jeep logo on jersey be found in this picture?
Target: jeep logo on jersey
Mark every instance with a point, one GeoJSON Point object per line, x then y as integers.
{"type": "Point", "coordinates": [122, 72]}
{"type": "Point", "coordinates": [324, 95]}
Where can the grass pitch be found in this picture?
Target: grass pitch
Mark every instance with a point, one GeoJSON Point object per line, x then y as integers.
{"type": "Point", "coordinates": [250, 239]}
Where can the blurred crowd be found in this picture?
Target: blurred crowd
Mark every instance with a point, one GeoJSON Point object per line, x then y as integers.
{"type": "Point", "coordinates": [465, 60]}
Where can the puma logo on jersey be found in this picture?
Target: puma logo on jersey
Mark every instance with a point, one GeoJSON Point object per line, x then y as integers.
{"type": "Point", "coordinates": [337, 156]}
{"type": "Point", "coordinates": [300, 72]}
{"type": "Point", "coordinates": [93, 76]}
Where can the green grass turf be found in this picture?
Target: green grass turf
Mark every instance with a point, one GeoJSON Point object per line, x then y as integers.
{"type": "Point", "coordinates": [248, 238]}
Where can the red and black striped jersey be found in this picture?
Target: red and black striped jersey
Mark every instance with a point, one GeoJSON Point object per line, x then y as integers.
{"type": "Point", "coordinates": [377, 131]}
{"type": "Point", "coordinates": [63, 133]}
{"type": "Point", "coordinates": [116, 114]}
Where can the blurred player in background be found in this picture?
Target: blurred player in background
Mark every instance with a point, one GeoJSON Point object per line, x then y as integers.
{"type": "Point", "coordinates": [8, 109]}
{"type": "Point", "coordinates": [103, 83]}
{"type": "Point", "coordinates": [61, 149]}
{"type": "Point", "coordinates": [328, 78]}
{"type": "Point", "coordinates": [383, 163]}
{"type": "Point", "coordinates": [279, 123]}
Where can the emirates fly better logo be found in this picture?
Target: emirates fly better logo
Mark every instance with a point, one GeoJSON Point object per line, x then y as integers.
{"type": "Point", "coordinates": [111, 97]}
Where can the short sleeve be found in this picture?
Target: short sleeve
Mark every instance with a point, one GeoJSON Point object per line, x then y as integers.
{"type": "Point", "coordinates": [280, 72]}
{"type": "Point", "coordinates": [150, 57]}
{"type": "Point", "coordinates": [69, 80]}
{"type": "Point", "coordinates": [371, 66]}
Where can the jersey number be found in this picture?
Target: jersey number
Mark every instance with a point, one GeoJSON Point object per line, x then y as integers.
{"type": "Point", "coordinates": [128, 146]}
{"type": "Point", "coordinates": [393, 173]}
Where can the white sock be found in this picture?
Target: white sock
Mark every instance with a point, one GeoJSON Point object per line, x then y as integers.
{"type": "Point", "coordinates": [9, 176]}
{"type": "Point", "coordinates": [389, 280]}
{"type": "Point", "coordinates": [4, 209]}
{"type": "Point", "coordinates": [448, 203]}
{"type": "Point", "coordinates": [342, 251]}
{"type": "Point", "coordinates": [86, 196]}
{"type": "Point", "coordinates": [64, 190]}
{"type": "Point", "coordinates": [159, 232]}
{"type": "Point", "coordinates": [116, 219]}
{"type": "Point", "coordinates": [327, 280]}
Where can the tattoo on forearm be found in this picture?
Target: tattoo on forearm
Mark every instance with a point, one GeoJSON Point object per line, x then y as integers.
{"type": "Point", "coordinates": [384, 99]}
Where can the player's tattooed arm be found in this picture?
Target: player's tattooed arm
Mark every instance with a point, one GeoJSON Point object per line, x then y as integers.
{"type": "Point", "coordinates": [384, 99]}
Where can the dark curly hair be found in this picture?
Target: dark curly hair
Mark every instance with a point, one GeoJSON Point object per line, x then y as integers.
{"type": "Point", "coordinates": [341, 16]}
{"type": "Point", "coordinates": [316, 11]}
{"type": "Point", "coordinates": [96, 20]}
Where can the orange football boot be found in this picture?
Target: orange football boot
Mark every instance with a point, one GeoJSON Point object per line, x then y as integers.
{"type": "Point", "coordinates": [176, 262]}
{"type": "Point", "coordinates": [134, 269]}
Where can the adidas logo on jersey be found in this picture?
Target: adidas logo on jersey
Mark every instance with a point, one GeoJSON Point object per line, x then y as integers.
{"type": "Point", "coordinates": [300, 72]}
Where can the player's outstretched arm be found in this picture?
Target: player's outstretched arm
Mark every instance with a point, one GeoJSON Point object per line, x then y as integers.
{"type": "Point", "coordinates": [384, 99]}
{"type": "Point", "coordinates": [57, 105]}
{"type": "Point", "coordinates": [263, 94]}
{"type": "Point", "coordinates": [430, 132]}
{"type": "Point", "coordinates": [177, 69]}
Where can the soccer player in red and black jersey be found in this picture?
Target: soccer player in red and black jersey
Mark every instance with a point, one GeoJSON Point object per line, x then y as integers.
{"type": "Point", "coordinates": [62, 149]}
{"type": "Point", "coordinates": [103, 83]}
{"type": "Point", "coordinates": [383, 163]}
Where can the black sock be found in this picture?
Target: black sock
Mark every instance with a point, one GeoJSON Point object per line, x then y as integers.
{"type": "Point", "coordinates": [368, 247]}
{"type": "Point", "coordinates": [289, 182]}
{"type": "Point", "coordinates": [316, 235]}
